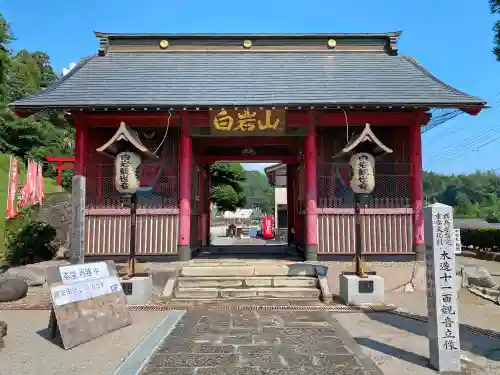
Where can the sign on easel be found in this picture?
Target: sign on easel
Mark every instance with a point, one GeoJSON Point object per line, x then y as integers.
{"type": "Point", "coordinates": [87, 302]}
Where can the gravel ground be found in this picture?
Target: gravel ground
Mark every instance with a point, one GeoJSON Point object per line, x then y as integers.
{"type": "Point", "coordinates": [27, 351]}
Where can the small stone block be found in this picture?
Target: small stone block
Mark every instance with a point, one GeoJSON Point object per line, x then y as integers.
{"type": "Point", "coordinates": [218, 271]}
{"type": "Point", "coordinates": [258, 281]}
{"type": "Point", "coordinates": [238, 293]}
{"type": "Point", "coordinates": [288, 292]}
{"type": "Point", "coordinates": [349, 287]}
{"type": "Point", "coordinates": [271, 271]}
{"type": "Point", "coordinates": [294, 282]}
{"type": "Point", "coordinates": [206, 282]}
{"type": "Point", "coordinates": [196, 293]}
{"type": "Point", "coordinates": [140, 289]}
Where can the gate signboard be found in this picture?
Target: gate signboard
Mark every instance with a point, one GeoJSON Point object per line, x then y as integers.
{"type": "Point", "coordinates": [247, 121]}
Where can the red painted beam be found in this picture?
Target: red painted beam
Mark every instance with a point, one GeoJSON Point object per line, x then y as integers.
{"type": "Point", "coordinates": [249, 158]}
{"type": "Point", "coordinates": [294, 118]}
{"type": "Point", "coordinates": [55, 159]}
{"type": "Point", "coordinates": [159, 119]}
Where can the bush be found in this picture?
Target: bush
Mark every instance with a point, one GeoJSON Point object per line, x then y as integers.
{"type": "Point", "coordinates": [31, 242]}
{"type": "Point", "coordinates": [484, 239]}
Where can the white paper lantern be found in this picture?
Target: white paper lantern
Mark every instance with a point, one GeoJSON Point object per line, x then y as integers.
{"type": "Point", "coordinates": [126, 167]}
{"type": "Point", "coordinates": [363, 173]}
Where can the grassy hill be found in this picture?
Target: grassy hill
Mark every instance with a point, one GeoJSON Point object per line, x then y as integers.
{"type": "Point", "coordinates": [50, 187]}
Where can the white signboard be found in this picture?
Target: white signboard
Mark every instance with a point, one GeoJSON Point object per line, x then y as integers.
{"type": "Point", "coordinates": [458, 242]}
{"type": "Point", "coordinates": [126, 166]}
{"type": "Point", "coordinates": [82, 272]}
{"type": "Point", "coordinates": [442, 306]}
{"type": "Point", "coordinates": [83, 290]}
{"type": "Point", "coordinates": [363, 173]}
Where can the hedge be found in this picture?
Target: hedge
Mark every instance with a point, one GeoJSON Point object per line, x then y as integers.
{"type": "Point", "coordinates": [486, 239]}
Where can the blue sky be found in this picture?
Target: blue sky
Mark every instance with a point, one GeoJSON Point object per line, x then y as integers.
{"type": "Point", "coordinates": [453, 39]}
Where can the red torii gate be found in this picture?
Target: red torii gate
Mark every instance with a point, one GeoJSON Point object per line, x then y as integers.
{"type": "Point", "coordinates": [61, 165]}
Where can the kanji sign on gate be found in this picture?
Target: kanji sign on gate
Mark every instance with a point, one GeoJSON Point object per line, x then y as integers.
{"type": "Point", "coordinates": [247, 121]}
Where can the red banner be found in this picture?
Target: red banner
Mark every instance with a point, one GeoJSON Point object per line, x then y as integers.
{"type": "Point", "coordinates": [267, 227]}
{"type": "Point", "coordinates": [12, 188]}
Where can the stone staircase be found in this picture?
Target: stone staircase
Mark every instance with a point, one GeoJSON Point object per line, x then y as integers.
{"type": "Point", "coordinates": [247, 279]}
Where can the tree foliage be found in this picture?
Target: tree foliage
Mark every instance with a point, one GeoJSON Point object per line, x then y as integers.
{"type": "Point", "coordinates": [258, 192]}
{"type": "Point", "coordinates": [227, 189]}
{"type": "Point", "coordinates": [23, 73]}
{"type": "Point", "coordinates": [475, 195]}
{"type": "Point", "coordinates": [495, 9]}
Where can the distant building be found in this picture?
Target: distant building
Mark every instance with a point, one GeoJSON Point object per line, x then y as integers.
{"type": "Point", "coordinates": [276, 175]}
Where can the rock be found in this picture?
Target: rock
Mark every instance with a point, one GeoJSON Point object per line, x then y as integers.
{"type": "Point", "coordinates": [12, 289]}
{"type": "Point", "coordinates": [62, 253]}
{"type": "Point", "coordinates": [33, 276]}
{"type": "Point", "coordinates": [479, 277]}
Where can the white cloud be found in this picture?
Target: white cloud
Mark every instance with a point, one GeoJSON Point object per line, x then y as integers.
{"type": "Point", "coordinates": [67, 70]}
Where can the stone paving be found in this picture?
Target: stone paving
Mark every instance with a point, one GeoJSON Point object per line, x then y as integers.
{"type": "Point", "coordinates": [259, 343]}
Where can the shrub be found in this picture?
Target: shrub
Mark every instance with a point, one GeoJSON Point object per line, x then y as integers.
{"type": "Point", "coordinates": [485, 239]}
{"type": "Point", "coordinates": [29, 243]}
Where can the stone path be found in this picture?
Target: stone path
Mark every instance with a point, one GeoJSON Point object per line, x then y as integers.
{"type": "Point", "coordinates": [259, 343]}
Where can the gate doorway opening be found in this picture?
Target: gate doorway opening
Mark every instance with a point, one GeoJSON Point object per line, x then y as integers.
{"type": "Point", "coordinates": [249, 212]}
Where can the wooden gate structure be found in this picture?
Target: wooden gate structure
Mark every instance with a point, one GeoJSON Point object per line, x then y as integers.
{"type": "Point", "coordinates": [293, 99]}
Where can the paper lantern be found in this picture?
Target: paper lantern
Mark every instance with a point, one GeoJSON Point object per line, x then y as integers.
{"type": "Point", "coordinates": [127, 166]}
{"type": "Point", "coordinates": [363, 173]}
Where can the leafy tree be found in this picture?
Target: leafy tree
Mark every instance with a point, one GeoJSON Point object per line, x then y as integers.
{"type": "Point", "coordinates": [495, 9]}
{"type": "Point", "coordinates": [475, 195]}
{"type": "Point", "coordinates": [24, 73]}
{"type": "Point", "coordinates": [227, 190]}
{"type": "Point", "coordinates": [258, 192]}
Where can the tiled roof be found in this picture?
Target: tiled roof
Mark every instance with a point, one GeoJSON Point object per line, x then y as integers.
{"type": "Point", "coordinates": [202, 79]}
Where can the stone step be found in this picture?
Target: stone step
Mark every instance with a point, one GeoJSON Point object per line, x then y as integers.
{"type": "Point", "coordinates": [277, 292]}
{"type": "Point", "coordinates": [242, 282]}
{"type": "Point", "coordinates": [296, 269]}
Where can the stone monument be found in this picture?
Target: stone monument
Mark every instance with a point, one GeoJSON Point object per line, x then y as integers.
{"type": "Point", "coordinates": [442, 306]}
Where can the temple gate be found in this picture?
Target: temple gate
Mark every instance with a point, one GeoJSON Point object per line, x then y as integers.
{"type": "Point", "coordinates": [194, 100]}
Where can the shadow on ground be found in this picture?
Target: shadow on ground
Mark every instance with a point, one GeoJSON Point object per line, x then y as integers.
{"type": "Point", "coordinates": [392, 351]}
{"type": "Point", "coordinates": [473, 340]}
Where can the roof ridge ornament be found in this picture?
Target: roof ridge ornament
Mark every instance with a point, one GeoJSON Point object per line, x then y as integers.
{"type": "Point", "coordinates": [366, 136]}
{"type": "Point", "coordinates": [125, 135]}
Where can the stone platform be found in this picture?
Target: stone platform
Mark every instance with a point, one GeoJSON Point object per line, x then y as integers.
{"type": "Point", "coordinates": [257, 343]}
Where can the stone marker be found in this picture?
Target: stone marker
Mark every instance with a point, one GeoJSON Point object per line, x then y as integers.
{"type": "Point", "coordinates": [77, 254]}
{"type": "Point", "coordinates": [87, 302]}
{"type": "Point", "coordinates": [443, 324]}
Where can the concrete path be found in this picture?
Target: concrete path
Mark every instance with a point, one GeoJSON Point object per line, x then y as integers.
{"type": "Point", "coordinates": [258, 343]}
{"type": "Point", "coordinates": [29, 352]}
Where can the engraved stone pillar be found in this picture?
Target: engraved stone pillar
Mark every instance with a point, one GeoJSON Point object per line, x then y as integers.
{"type": "Point", "coordinates": [443, 323]}
{"type": "Point", "coordinates": [77, 252]}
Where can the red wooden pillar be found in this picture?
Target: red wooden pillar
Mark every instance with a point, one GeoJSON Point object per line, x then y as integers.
{"type": "Point", "coordinates": [207, 203]}
{"type": "Point", "coordinates": [201, 203]}
{"type": "Point", "coordinates": [78, 193]}
{"type": "Point", "coordinates": [417, 192]}
{"type": "Point", "coordinates": [185, 166]}
{"type": "Point", "coordinates": [311, 241]}
{"type": "Point", "coordinates": [291, 170]}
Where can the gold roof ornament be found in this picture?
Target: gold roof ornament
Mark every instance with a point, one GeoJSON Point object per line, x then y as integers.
{"type": "Point", "coordinates": [247, 43]}
{"type": "Point", "coordinates": [367, 136]}
{"type": "Point", "coordinates": [123, 136]}
{"type": "Point", "coordinates": [332, 43]}
{"type": "Point", "coordinates": [164, 44]}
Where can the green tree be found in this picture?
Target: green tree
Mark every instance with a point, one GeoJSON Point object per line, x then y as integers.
{"type": "Point", "coordinates": [495, 9]}
{"type": "Point", "coordinates": [24, 73]}
{"type": "Point", "coordinates": [227, 190]}
{"type": "Point", "coordinates": [258, 192]}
